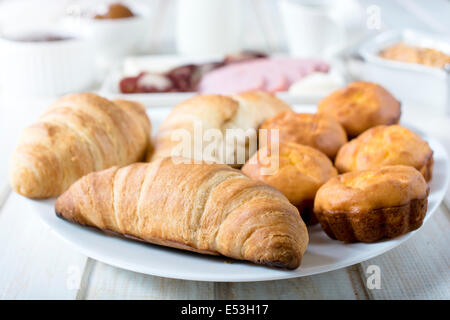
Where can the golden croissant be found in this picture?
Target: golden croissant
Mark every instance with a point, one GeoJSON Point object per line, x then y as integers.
{"type": "Point", "coordinates": [206, 208]}
{"type": "Point", "coordinates": [79, 134]}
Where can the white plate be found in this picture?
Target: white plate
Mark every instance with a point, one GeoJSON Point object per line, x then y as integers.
{"type": "Point", "coordinates": [323, 254]}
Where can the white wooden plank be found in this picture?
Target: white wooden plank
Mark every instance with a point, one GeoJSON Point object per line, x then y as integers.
{"type": "Point", "coordinates": [339, 284]}
{"type": "Point", "coordinates": [107, 282]}
{"type": "Point", "coordinates": [34, 263]}
{"type": "Point", "coordinates": [419, 268]}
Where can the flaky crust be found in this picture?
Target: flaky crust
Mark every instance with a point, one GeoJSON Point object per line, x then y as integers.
{"type": "Point", "coordinates": [386, 145]}
{"type": "Point", "coordinates": [301, 171]}
{"type": "Point", "coordinates": [206, 208]}
{"type": "Point", "coordinates": [243, 111]}
{"type": "Point", "coordinates": [360, 106]}
{"type": "Point", "coordinates": [79, 134]}
{"type": "Point", "coordinates": [371, 205]}
{"type": "Point", "coordinates": [319, 131]}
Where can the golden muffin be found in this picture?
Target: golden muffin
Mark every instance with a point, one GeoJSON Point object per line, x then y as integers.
{"type": "Point", "coordinates": [319, 131]}
{"type": "Point", "coordinates": [372, 205]}
{"type": "Point", "coordinates": [383, 146]}
{"type": "Point", "coordinates": [298, 171]}
{"type": "Point", "coordinates": [360, 106]}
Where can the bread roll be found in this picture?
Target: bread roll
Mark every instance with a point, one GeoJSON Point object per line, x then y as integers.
{"type": "Point", "coordinates": [210, 114]}
{"type": "Point", "coordinates": [298, 172]}
{"type": "Point", "coordinates": [386, 145]}
{"type": "Point", "coordinates": [360, 106]}
{"type": "Point", "coordinates": [319, 131]}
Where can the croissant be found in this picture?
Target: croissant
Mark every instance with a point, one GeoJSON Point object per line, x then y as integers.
{"type": "Point", "coordinates": [206, 208]}
{"type": "Point", "coordinates": [79, 134]}
{"type": "Point", "coordinates": [220, 113]}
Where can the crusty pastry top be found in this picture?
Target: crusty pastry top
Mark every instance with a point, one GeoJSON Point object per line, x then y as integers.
{"type": "Point", "coordinates": [381, 146]}
{"type": "Point", "coordinates": [319, 131]}
{"type": "Point", "coordinates": [363, 191]}
{"type": "Point", "coordinates": [78, 134]}
{"type": "Point", "coordinates": [207, 208]}
{"type": "Point", "coordinates": [301, 170]}
{"type": "Point", "coordinates": [243, 111]}
{"type": "Point", "coordinates": [360, 106]}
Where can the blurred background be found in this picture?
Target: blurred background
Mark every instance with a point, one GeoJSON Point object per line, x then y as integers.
{"type": "Point", "coordinates": [161, 51]}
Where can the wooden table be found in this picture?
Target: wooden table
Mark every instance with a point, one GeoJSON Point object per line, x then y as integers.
{"type": "Point", "coordinates": [35, 264]}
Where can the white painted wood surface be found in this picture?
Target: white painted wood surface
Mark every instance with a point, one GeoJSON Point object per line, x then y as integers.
{"type": "Point", "coordinates": [35, 264]}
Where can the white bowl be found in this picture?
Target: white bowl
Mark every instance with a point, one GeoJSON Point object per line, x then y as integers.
{"type": "Point", "coordinates": [111, 38]}
{"type": "Point", "coordinates": [45, 68]}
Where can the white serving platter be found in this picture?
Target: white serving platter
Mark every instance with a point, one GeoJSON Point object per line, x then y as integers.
{"type": "Point", "coordinates": [160, 63]}
{"type": "Point", "coordinates": [323, 254]}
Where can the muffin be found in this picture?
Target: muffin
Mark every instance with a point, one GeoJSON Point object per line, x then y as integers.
{"type": "Point", "coordinates": [298, 171]}
{"type": "Point", "coordinates": [372, 205]}
{"type": "Point", "coordinates": [386, 145]}
{"type": "Point", "coordinates": [360, 106]}
{"type": "Point", "coordinates": [319, 131]}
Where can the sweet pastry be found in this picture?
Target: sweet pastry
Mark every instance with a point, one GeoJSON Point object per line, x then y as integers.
{"type": "Point", "coordinates": [79, 134]}
{"type": "Point", "coordinates": [372, 205]}
{"type": "Point", "coordinates": [386, 145]}
{"type": "Point", "coordinates": [319, 131]}
{"type": "Point", "coordinates": [115, 11]}
{"type": "Point", "coordinates": [413, 54]}
{"type": "Point", "coordinates": [360, 106]}
{"type": "Point", "coordinates": [300, 172]}
{"type": "Point", "coordinates": [206, 208]}
{"type": "Point", "coordinates": [199, 116]}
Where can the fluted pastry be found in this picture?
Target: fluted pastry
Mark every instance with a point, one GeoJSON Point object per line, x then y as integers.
{"type": "Point", "coordinates": [300, 172]}
{"type": "Point", "coordinates": [215, 113]}
{"type": "Point", "coordinates": [206, 208]}
{"type": "Point", "coordinates": [386, 145]}
{"type": "Point", "coordinates": [360, 106]}
{"type": "Point", "coordinates": [319, 131]}
{"type": "Point", "coordinates": [372, 205]}
{"type": "Point", "coordinates": [79, 134]}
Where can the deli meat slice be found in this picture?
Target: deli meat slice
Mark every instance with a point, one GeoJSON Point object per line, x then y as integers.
{"type": "Point", "coordinates": [271, 74]}
{"type": "Point", "coordinates": [231, 80]}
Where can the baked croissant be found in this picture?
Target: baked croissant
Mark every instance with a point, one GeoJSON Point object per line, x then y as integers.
{"type": "Point", "coordinates": [208, 113]}
{"type": "Point", "coordinates": [206, 208]}
{"type": "Point", "coordinates": [79, 134]}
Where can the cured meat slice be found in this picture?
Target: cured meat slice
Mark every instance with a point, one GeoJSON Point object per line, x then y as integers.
{"type": "Point", "coordinates": [230, 80]}
{"type": "Point", "coordinates": [276, 74]}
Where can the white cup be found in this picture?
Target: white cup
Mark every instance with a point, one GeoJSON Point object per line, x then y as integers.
{"type": "Point", "coordinates": [111, 38]}
{"type": "Point", "coordinates": [208, 27]}
{"type": "Point", "coordinates": [318, 28]}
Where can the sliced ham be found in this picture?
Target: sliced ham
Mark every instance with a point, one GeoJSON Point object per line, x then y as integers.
{"type": "Point", "coordinates": [231, 80]}
{"type": "Point", "coordinates": [272, 75]}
